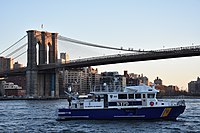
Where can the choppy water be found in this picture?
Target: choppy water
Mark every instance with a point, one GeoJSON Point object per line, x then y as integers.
{"type": "Point", "coordinates": [40, 116]}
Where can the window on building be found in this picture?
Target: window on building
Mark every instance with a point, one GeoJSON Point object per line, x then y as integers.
{"type": "Point", "coordinates": [150, 95]}
{"type": "Point", "coordinates": [143, 95]}
{"type": "Point", "coordinates": [131, 96]}
{"type": "Point", "coordinates": [137, 96]}
{"type": "Point", "coordinates": [122, 96]}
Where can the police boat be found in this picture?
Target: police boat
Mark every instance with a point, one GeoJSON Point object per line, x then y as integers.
{"type": "Point", "coordinates": [130, 102]}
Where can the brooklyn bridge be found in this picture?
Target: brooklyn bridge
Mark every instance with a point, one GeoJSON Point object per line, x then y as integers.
{"type": "Point", "coordinates": [42, 70]}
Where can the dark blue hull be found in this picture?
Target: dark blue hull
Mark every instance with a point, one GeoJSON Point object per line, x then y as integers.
{"type": "Point", "coordinates": [169, 113]}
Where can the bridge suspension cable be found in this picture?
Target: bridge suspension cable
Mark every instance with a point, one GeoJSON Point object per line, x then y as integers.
{"type": "Point", "coordinates": [62, 38]}
{"type": "Point", "coordinates": [16, 50]}
{"type": "Point", "coordinates": [13, 45]}
{"type": "Point", "coordinates": [19, 55]}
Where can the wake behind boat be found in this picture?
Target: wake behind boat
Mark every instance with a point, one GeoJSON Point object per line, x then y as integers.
{"type": "Point", "coordinates": [131, 102]}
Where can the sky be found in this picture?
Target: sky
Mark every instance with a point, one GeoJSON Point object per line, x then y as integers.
{"type": "Point", "coordinates": [139, 24]}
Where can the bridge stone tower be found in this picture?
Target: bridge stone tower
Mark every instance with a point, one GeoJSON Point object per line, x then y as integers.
{"type": "Point", "coordinates": [41, 83]}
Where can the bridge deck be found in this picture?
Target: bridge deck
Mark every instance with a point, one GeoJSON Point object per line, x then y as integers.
{"type": "Point", "coordinates": [118, 58]}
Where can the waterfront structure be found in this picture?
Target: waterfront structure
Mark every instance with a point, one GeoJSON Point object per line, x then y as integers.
{"type": "Point", "coordinates": [78, 80]}
{"type": "Point", "coordinates": [93, 78]}
{"type": "Point", "coordinates": [18, 80]}
{"type": "Point", "coordinates": [158, 81]}
{"type": "Point", "coordinates": [194, 87]}
{"type": "Point", "coordinates": [81, 80]}
{"type": "Point", "coordinates": [74, 79]}
{"type": "Point", "coordinates": [112, 79]}
{"type": "Point", "coordinates": [17, 65]}
{"type": "Point", "coordinates": [135, 79]}
{"type": "Point", "coordinates": [6, 64]}
{"type": "Point", "coordinates": [10, 89]}
{"type": "Point", "coordinates": [171, 90]}
{"type": "Point", "coordinates": [64, 58]}
{"type": "Point", "coordinates": [144, 80]}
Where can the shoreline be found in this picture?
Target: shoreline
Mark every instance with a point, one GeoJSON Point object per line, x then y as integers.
{"type": "Point", "coordinates": [35, 98]}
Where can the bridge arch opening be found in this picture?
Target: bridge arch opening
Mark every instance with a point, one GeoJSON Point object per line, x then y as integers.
{"type": "Point", "coordinates": [48, 53]}
{"type": "Point", "coordinates": [37, 52]}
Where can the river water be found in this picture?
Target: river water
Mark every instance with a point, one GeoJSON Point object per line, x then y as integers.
{"type": "Point", "coordinates": [40, 116]}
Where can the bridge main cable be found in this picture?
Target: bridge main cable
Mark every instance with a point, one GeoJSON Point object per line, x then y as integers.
{"type": "Point", "coordinates": [62, 38]}
{"type": "Point", "coordinates": [13, 45]}
{"type": "Point", "coordinates": [19, 55]}
{"type": "Point", "coordinates": [15, 51]}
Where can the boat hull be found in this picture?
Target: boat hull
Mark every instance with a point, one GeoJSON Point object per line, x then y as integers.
{"type": "Point", "coordinates": [165, 113]}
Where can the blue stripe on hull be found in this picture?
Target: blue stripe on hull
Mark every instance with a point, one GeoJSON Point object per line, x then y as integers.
{"type": "Point", "coordinates": [133, 113]}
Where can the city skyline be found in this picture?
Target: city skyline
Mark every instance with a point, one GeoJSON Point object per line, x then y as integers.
{"type": "Point", "coordinates": [136, 24]}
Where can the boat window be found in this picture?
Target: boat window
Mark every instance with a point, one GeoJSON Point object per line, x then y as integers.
{"type": "Point", "coordinates": [151, 95]}
{"type": "Point", "coordinates": [137, 96]}
{"type": "Point", "coordinates": [143, 96]}
{"type": "Point", "coordinates": [122, 96]}
{"type": "Point", "coordinates": [131, 96]}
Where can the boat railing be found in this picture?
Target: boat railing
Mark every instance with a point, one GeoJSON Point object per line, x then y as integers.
{"type": "Point", "coordinates": [181, 103]}
{"type": "Point", "coordinates": [172, 103]}
{"type": "Point", "coordinates": [107, 88]}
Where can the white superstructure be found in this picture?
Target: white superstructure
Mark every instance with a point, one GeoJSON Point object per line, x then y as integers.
{"type": "Point", "coordinates": [130, 97]}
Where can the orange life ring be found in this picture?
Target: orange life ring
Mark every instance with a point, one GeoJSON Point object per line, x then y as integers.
{"type": "Point", "coordinates": [151, 103]}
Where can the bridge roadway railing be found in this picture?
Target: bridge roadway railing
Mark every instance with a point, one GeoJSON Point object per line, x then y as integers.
{"type": "Point", "coordinates": [196, 47]}
{"type": "Point", "coordinates": [180, 50]}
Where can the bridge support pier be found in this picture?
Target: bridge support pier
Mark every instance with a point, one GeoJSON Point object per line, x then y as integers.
{"type": "Point", "coordinates": [57, 83]}
{"type": "Point", "coordinates": [31, 83]}
{"type": "Point", "coordinates": [52, 84]}
{"type": "Point", "coordinates": [41, 83]}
